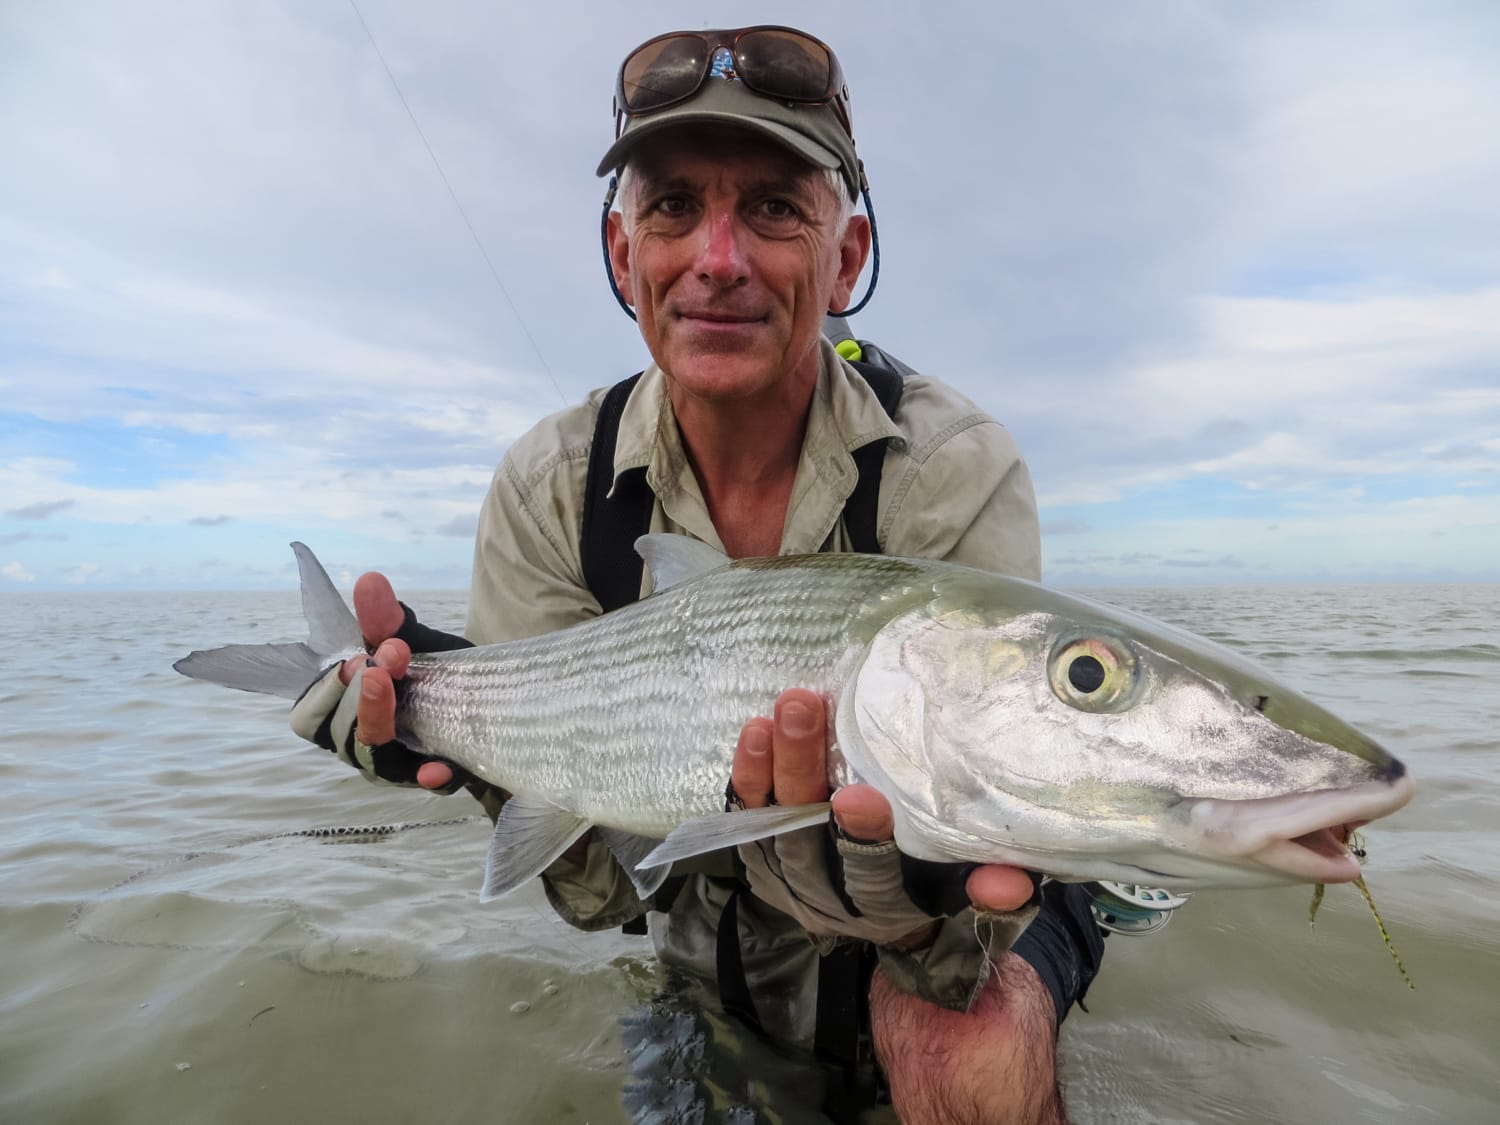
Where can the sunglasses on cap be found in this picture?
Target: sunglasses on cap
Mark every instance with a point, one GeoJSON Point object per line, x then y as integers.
{"type": "Point", "coordinates": [781, 63]}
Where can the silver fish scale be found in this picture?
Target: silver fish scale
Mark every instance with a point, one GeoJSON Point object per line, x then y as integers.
{"type": "Point", "coordinates": [653, 696]}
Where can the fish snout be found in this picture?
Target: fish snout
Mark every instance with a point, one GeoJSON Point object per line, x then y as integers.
{"type": "Point", "coordinates": [1303, 836]}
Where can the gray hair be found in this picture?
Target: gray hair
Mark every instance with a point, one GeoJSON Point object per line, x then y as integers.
{"type": "Point", "coordinates": [625, 197]}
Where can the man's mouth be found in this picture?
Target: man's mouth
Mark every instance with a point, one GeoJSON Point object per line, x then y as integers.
{"type": "Point", "coordinates": [720, 317]}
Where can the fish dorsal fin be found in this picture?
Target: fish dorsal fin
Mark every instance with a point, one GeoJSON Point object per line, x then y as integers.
{"type": "Point", "coordinates": [726, 830]}
{"type": "Point", "coordinates": [630, 849]}
{"type": "Point", "coordinates": [675, 559]}
{"type": "Point", "coordinates": [529, 835]}
{"type": "Point", "coordinates": [331, 628]}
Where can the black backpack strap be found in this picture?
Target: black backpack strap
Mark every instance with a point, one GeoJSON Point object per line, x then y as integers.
{"type": "Point", "coordinates": [861, 510]}
{"type": "Point", "coordinates": [612, 524]}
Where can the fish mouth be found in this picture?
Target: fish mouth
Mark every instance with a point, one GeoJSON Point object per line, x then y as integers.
{"type": "Point", "coordinates": [1301, 835]}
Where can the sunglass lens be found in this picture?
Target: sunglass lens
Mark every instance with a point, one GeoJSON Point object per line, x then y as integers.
{"type": "Point", "coordinates": [782, 65]}
{"type": "Point", "coordinates": [663, 72]}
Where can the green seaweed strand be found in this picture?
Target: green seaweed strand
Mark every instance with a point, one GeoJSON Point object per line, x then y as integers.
{"type": "Point", "coordinates": [1370, 901]}
{"type": "Point", "coordinates": [1356, 844]}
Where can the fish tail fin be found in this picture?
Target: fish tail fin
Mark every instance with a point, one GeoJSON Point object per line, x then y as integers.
{"type": "Point", "coordinates": [286, 669]}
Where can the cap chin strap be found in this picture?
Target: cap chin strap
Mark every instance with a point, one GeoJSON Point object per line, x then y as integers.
{"type": "Point", "coordinates": [864, 191]}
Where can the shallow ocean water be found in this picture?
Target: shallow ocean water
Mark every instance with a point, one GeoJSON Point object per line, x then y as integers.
{"type": "Point", "coordinates": [171, 954]}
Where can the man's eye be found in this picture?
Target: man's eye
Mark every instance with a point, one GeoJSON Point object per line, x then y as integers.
{"type": "Point", "coordinates": [779, 209]}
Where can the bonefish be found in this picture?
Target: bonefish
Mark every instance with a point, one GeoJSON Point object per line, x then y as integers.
{"type": "Point", "coordinates": [1006, 722]}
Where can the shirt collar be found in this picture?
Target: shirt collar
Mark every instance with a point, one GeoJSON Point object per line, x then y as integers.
{"type": "Point", "coordinates": [845, 415]}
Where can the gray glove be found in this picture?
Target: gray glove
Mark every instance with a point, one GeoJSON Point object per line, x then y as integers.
{"type": "Point", "coordinates": [930, 940]}
{"type": "Point", "coordinates": [327, 714]}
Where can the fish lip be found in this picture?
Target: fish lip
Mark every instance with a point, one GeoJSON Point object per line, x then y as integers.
{"type": "Point", "coordinates": [1298, 834]}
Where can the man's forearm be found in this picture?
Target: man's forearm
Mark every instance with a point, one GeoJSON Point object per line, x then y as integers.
{"type": "Point", "coordinates": [993, 1065]}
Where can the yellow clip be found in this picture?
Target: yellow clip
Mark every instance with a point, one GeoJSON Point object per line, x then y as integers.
{"type": "Point", "coordinates": [850, 350]}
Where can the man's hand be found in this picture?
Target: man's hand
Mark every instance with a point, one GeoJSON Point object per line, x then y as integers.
{"type": "Point", "coordinates": [327, 708]}
{"type": "Point", "coordinates": [784, 758]}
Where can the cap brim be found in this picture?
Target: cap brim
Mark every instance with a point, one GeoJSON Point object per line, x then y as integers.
{"type": "Point", "coordinates": [644, 128]}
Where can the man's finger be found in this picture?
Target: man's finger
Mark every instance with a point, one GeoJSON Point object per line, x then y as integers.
{"type": "Point", "coordinates": [750, 773]}
{"type": "Point", "coordinates": [434, 775]}
{"type": "Point", "coordinates": [999, 889]}
{"type": "Point", "coordinates": [863, 814]}
{"type": "Point", "coordinates": [799, 748]}
{"type": "Point", "coordinates": [392, 655]}
{"type": "Point", "coordinates": [376, 724]}
{"type": "Point", "coordinates": [375, 604]}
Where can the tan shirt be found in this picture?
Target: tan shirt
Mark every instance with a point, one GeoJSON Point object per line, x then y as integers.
{"type": "Point", "coordinates": [953, 486]}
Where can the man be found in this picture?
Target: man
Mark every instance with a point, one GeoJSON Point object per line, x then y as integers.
{"type": "Point", "coordinates": [734, 237]}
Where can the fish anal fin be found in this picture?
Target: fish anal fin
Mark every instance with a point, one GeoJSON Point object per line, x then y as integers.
{"type": "Point", "coordinates": [727, 830]}
{"type": "Point", "coordinates": [529, 835]}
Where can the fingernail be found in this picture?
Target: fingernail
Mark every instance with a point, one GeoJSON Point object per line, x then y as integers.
{"type": "Point", "coordinates": [797, 720]}
{"type": "Point", "coordinates": [369, 689]}
{"type": "Point", "coordinates": [757, 742]}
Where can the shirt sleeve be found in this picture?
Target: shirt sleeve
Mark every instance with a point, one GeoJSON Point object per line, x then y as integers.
{"type": "Point", "coordinates": [963, 495]}
{"type": "Point", "coordinates": [527, 578]}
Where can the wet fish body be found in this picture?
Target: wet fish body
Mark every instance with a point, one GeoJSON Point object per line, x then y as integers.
{"type": "Point", "coordinates": [1005, 721]}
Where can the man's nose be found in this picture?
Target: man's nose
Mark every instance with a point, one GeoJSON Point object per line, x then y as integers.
{"type": "Point", "coordinates": [721, 258]}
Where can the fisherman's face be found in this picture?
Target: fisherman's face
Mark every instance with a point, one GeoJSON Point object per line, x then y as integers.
{"type": "Point", "coordinates": [731, 258]}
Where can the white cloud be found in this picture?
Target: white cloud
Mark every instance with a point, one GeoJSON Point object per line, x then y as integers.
{"type": "Point", "coordinates": [16, 572]}
{"type": "Point", "coordinates": [1200, 244]}
{"type": "Point", "coordinates": [82, 573]}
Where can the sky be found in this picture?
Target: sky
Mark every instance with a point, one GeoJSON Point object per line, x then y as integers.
{"type": "Point", "coordinates": [1230, 273]}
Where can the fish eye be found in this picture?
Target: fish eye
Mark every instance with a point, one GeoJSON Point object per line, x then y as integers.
{"type": "Point", "coordinates": [1086, 673]}
{"type": "Point", "coordinates": [1093, 673]}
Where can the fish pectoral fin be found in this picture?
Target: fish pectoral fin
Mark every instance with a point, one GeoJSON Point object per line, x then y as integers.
{"type": "Point", "coordinates": [728, 830]}
{"type": "Point", "coordinates": [630, 849]}
{"type": "Point", "coordinates": [529, 835]}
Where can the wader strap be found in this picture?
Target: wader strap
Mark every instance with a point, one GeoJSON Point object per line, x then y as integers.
{"type": "Point", "coordinates": [841, 1030]}
{"type": "Point", "coordinates": [612, 524]}
{"type": "Point", "coordinates": [729, 967]}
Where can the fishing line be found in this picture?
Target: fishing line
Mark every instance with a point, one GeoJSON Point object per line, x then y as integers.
{"type": "Point", "coordinates": [83, 922]}
{"type": "Point", "coordinates": [464, 215]}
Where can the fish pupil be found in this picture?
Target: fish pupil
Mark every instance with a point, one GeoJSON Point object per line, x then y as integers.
{"type": "Point", "coordinates": [1086, 674]}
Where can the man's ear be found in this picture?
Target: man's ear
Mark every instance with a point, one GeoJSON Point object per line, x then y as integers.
{"type": "Point", "coordinates": [619, 255]}
{"type": "Point", "coordinates": [854, 248]}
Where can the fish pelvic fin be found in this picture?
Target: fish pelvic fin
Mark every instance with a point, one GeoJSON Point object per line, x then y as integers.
{"type": "Point", "coordinates": [286, 669]}
{"type": "Point", "coordinates": [630, 849]}
{"type": "Point", "coordinates": [529, 835]}
{"type": "Point", "coordinates": [727, 830]}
